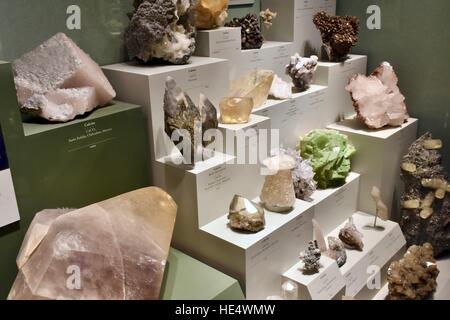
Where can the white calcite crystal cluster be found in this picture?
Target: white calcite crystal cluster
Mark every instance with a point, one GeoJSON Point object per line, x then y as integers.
{"type": "Point", "coordinates": [58, 81]}
{"type": "Point", "coordinates": [377, 98]}
{"type": "Point", "coordinates": [301, 70]}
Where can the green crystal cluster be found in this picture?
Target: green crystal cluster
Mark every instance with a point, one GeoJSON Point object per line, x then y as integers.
{"type": "Point", "coordinates": [329, 153]}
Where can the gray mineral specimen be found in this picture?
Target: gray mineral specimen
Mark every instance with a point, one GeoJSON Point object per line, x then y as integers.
{"type": "Point", "coordinates": [311, 259]}
{"type": "Point", "coordinates": [161, 30]}
{"type": "Point", "coordinates": [336, 251]}
{"type": "Point", "coordinates": [246, 215]}
{"type": "Point", "coordinates": [301, 70]}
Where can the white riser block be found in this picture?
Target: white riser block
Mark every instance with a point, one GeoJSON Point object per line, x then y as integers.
{"type": "Point", "coordinates": [332, 206]}
{"type": "Point", "coordinates": [297, 116]}
{"type": "Point", "coordinates": [378, 159]}
{"type": "Point", "coordinates": [145, 85]}
{"type": "Point", "coordinates": [337, 76]}
{"type": "Point", "coordinates": [272, 56]}
{"type": "Point", "coordinates": [327, 284]}
{"type": "Point", "coordinates": [380, 248]}
{"type": "Point", "coordinates": [259, 259]}
{"type": "Point", "coordinates": [222, 43]}
{"type": "Point", "coordinates": [9, 212]}
{"type": "Point", "coordinates": [294, 23]}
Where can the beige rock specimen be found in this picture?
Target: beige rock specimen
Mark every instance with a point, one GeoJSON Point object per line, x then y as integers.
{"type": "Point", "coordinates": [58, 81]}
{"type": "Point", "coordinates": [210, 14]}
{"type": "Point", "coordinates": [278, 194]}
{"type": "Point", "coordinates": [256, 85]}
{"type": "Point", "coordinates": [234, 110]}
{"type": "Point", "coordinates": [112, 250]}
{"type": "Point", "coordinates": [267, 17]}
{"type": "Point", "coordinates": [351, 237]}
{"type": "Point", "coordinates": [414, 276]}
{"type": "Point", "coordinates": [246, 215]}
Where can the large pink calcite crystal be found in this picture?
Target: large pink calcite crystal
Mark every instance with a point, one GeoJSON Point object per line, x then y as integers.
{"type": "Point", "coordinates": [377, 98]}
{"type": "Point", "coordinates": [119, 248]}
{"type": "Point", "coordinates": [58, 81]}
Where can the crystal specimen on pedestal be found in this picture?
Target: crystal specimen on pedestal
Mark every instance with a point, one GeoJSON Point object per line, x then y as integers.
{"type": "Point", "coordinates": [210, 14]}
{"type": "Point", "coordinates": [339, 34]}
{"type": "Point", "coordinates": [251, 36]}
{"type": "Point", "coordinates": [289, 291]}
{"type": "Point", "coordinates": [329, 153]}
{"type": "Point", "coordinates": [381, 209]}
{"type": "Point", "coordinates": [162, 30]}
{"type": "Point", "coordinates": [301, 70]}
{"type": "Point", "coordinates": [235, 110]}
{"type": "Point", "coordinates": [112, 250]}
{"type": "Point", "coordinates": [280, 89]}
{"type": "Point", "coordinates": [302, 175]}
{"type": "Point", "coordinates": [311, 259]}
{"type": "Point", "coordinates": [278, 193]}
{"type": "Point", "coordinates": [255, 85]}
{"type": "Point", "coordinates": [58, 81]}
{"type": "Point", "coordinates": [351, 237]}
{"type": "Point", "coordinates": [336, 251]}
{"type": "Point", "coordinates": [267, 17]}
{"type": "Point", "coordinates": [425, 215]}
{"type": "Point", "coordinates": [185, 119]}
{"type": "Point", "coordinates": [246, 215]}
{"type": "Point", "coordinates": [377, 98]}
{"type": "Point", "coordinates": [414, 276]}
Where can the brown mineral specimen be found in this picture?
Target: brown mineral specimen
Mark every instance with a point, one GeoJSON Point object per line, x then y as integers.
{"type": "Point", "coordinates": [426, 202]}
{"type": "Point", "coordinates": [210, 14]}
{"type": "Point", "coordinates": [252, 37]}
{"type": "Point", "coordinates": [414, 276]}
{"type": "Point", "coordinates": [351, 237]}
{"type": "Point", "coordinates": [339, 34]}
{"type": "Point", "coordinates": [246, 215]}
{"type": "Point", "coordinates": [377, 98]}
{"type": "Point", "coordinates": [112, 250]}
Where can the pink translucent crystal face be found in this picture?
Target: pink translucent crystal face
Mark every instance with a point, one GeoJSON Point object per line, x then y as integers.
{"type": "Point", "coordinates": [377, 98]}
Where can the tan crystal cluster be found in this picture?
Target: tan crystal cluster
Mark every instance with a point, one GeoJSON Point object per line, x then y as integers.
{"type": "Point", "coordinates": [210, 14]}
{"type": "Point", "coordinates": [112, 250]}
{"type": "Point", "coordinates": [235, 110]}
{"type": "Point", "coordinates": [246, 215]}
{"type": "Point", "coordinates": [414, 276]}
{"type": "Point", "coordinates": [255, 85]}
{"type": "Point", "coordinates": [267, 17]}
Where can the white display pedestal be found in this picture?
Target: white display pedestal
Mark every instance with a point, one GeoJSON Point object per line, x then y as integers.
{"type": "Point", "coordinates": [9, 212]}
{"type": "Point", "coordinates": [380, 248]}
{"type": "Point", "coordinates": [297, 116]}
{"type": "Point", "coordinates": [378, 159]}
{"type": "Point", "coordinates": [294, 23]}
{"type": "Point", "coordinates": [222, 43]}
{"type": "Point", "coordinates": [336, 75]}
{"type": "Point", "coordinates": [328, 284]}
{"type": "Point", "coordinates": [332, 206]}
{"type": "Point", "coordinates": [258, 259]}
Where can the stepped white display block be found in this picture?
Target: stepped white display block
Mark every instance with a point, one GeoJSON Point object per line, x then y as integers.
{"type": "Point", "coordinates": [327, 284]}
{"type": "Point", "coordinates": [381, 246]}
{"type": "Point", "coordinates": [222, 43]}
{"type": "Point", "coordinates": [145, 85]}
{"type": "Point", "coordinates": [9, 212]}
{"type": "Point", "coordinates": [297, 116]}
{"type": "Point", "coordinates": [336, 75]}
{"type": "Point", "coordinates": [378, 159]}
{"type": "Point", "coordinates": [294, 23]}
{"type": "Point", "coordinates": [332, 206]}
{"type": "Point", "coordinates": [257, 260]}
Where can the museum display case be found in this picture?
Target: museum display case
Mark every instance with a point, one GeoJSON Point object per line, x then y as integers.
{"type": "Point", "coordinates": [199, 150]}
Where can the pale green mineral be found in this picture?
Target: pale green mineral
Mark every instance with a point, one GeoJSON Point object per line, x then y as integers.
{"type": "Point", "coordinates": [329, 153]}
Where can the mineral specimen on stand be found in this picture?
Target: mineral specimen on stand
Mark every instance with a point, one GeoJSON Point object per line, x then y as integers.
{"type": "Point", "coordinates": [339, 34]}
{"type": "Point", "coordinates": [381, 209]}
{"type": "Point", "coordinates": [311, 259]}
{"type": "Point", "coordinates": [289, 291]}
{"type": "Point", "coordinates": [280, 89]}
{"type": "Point", "coordinates": [278, 193]}
{"type": "Point", "coordinates": [267, 17]}
{"type": "Point", "coordinates": [235, 110]}
{"type": "Point", "coordinates": [161, 30]}
{"type": "Point", "coordinates": [255, 85]}
{"type": "Point", "coordinates": [58, 81]}
{"type": "Point", "coordinates": [210, 14]}
{"type": "Point", "coordinates": [301, 70]}
{"type": "Point", "coordinates": [329, 153]}
{"type": "Point", "coordinates": [351, 237]}
{"type": "Point", "coordinates": [190, 122]}
{"type": "Point", "coordinates": [251, 35]}
{"type": "Point", "coordinates": [377, 98]}
{"type": "Point", "coordinates": [425, 215]}
{"type": "Point", "coordinates": [246, 215]}
{"type": "Point", "coordinates": [302, 175]}
{"type": "Point", "coordinates": [112, 250]}
{"type": "Point", "coordinates": [336, 251]}
{"type": "Point", "coordinates": [414, 276]}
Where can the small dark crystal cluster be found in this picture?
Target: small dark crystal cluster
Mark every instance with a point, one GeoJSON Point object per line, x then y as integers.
{"type": "Point", "coordinates": [339, 34]}
{"type": "Point", "coordinates": [252, 37]}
